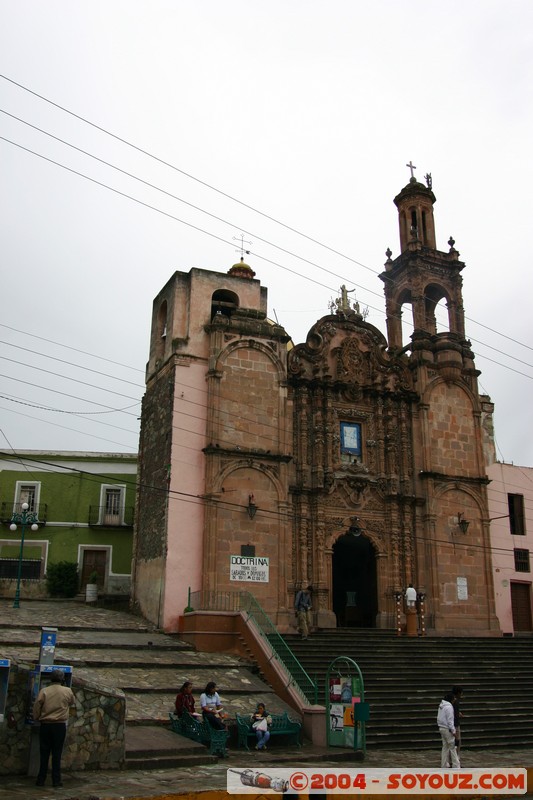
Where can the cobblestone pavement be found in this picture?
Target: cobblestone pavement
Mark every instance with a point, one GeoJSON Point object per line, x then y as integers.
{"type": "Point", "coordinates": [164, 783]}
{"type": "Point", "coordinates": [65, 613]}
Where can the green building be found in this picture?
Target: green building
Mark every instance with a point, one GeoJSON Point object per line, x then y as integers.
{"type": "Point", "coordinates": [83, 506]}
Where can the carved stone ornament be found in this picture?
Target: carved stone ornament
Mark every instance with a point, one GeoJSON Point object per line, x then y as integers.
{"type": "Point", "coordinates": [357, 489]}
{"type": "Point", "coordinates": [352, 394]}
{"type": "Point", "coordinates": [351, 362]}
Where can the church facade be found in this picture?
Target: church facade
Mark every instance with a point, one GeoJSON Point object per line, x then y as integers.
{"type": "Point", "coordinates": [353, 461]}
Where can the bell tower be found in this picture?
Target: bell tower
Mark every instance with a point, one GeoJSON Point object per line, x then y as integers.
{"type": "Point", "coordinates": [421, 277]}
{"type": "Point", "coordinates": [449, 468]}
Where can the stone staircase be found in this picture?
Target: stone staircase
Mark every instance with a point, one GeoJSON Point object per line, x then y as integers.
{"type": "Point", "coordinates": [405, 679]}
{"type": "Point", "coordinates": [119, 650]}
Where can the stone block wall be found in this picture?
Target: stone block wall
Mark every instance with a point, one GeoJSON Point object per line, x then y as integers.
{"type": "Point", "coordinates": [95, 734]}
{"type": "Point", "coordinates": [34, 589]}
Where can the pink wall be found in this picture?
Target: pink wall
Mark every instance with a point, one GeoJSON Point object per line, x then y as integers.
{"type": "Point", "coordinates": [187, 485]}
{"type": "Point", "coordinates": [508, 479]}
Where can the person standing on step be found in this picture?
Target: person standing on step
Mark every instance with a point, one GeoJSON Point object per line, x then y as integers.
{"type": "Point", "coordinates": [51, 709]}
{"type": "Point", "coordinates": [410, 596]}
{"type": "Point", "coordinates": [447, 732]}
{"type": "Point", "coordinates": [302, 608]}
{"type": "Point", "coordinates": [211, 706]}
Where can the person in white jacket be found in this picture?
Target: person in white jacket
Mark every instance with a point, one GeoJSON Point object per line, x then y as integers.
{"type": "Point", "coordinates": [447, 732]}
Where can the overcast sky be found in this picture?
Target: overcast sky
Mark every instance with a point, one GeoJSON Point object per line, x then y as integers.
{"type": "Point", "coordinates": [304, 111]}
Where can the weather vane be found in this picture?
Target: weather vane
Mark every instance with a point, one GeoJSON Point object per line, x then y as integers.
{"type": "Point", "coordinates": [241, 249]}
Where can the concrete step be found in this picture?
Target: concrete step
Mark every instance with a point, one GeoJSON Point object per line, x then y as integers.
{"type": "Point", "coordinates": [154, 747]}
{"type": "Point", "coordinates": [169, 762]}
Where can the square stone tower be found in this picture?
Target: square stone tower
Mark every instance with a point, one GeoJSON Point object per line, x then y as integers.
{"type": "Point", "coordinates": [214, 446]}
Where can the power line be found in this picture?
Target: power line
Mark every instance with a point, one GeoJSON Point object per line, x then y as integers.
{"type": "Point", "coordinates": [199, 499]}
{"type": "Point", "coordinates": [66, 428]}
{"type": "Point", "coordinates": [219, 238]}
{"type": "Point", "coordinates": [218, 191]}
{"type": "Point", "coordinates": [57, 375]}
{"type": "Point", "coordinates": [247, 231]}
{"type": "Point", "coordinates": [65, 394]}
{"type": "Point", "coordinates": [71, 364]}
{"type": "Point", "coordinates": [69, 347]}
{"type": "Point", "coordinates": [23, 402]}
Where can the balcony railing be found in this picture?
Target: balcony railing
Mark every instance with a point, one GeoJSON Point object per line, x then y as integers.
{"type": "Point", "coordinates": [101, 517]}
{"type": "Point", "coordinates": [246, 602]}
{"type": "Point", "coordinates": [8, 509]}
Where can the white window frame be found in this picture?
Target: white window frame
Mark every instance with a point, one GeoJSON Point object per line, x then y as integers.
{"type": "Point", "coordinates": [18, 488]}
{"type": "Point", "coordinates": [119, 518]}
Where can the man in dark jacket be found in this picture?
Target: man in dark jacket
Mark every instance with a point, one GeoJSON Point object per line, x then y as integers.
{"type": "Point", "coordinates": [302, 607]}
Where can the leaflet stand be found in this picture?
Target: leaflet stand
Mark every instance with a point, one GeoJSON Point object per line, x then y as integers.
{"type": "Point", "coordinates": [346, 709]}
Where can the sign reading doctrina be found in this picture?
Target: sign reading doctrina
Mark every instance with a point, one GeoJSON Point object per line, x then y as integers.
{"type": "Point", "coordinates": [248, 568]}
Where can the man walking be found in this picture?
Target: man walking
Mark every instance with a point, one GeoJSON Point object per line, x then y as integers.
{"type": "Point", "coordinates": [447, 732]}
{"type": "Point", "coordinates": [302, 606]}
{"type": "Point", "coordinates": [51, 709]}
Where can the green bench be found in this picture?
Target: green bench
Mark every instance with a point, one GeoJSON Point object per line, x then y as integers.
{"type": "Point", "coordinates": [281, 725]}
{"type": "Point", "coordinates": [200, 731]}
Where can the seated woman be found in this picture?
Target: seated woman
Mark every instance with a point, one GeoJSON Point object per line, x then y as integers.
{"type": "Point", "coordinates": [185, 701]}
{"type": "Point", "coordinates": [211, 706]}
{"type": "Point", "coordinates": [260, 722]}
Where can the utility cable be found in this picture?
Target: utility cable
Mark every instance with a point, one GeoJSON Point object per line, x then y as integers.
{"type": "Point", "coordinates": [219, 191]}
{"type": "Point", "coordinates": [66, 428]}
{"type": "Point", "coordinates": [75, 380]}
{"type": "Point", "coordinates": [208, 233]}
{"type": "Point", "coordinates": [199, 499]}
{"type": "Point", "coordinates": [68, 347]}
{"type": "Point", "coordinates": [233, 225]}
{"type": "Point", "coordinates": [72, 364]}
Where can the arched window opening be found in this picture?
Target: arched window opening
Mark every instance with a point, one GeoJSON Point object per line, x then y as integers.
{"type": "Point", "coordinates": [162, 320]}
{"type": "Point", "coordinates": [414, 223]}
{"type": "Point", "coordinates": [442, 317]}
{"type": "Point", "coordinates": [223, 302]}
{"type": "Point", "coordinates": [436, 310]}
{"type": "Point", "coordinates": [407, 320]}
{"type": "Point", "coordinates": [424, 228]}
{"type": "Point", "coordinates": [161, 332]}
{"type": "Point", "coordinates": [403, 229]}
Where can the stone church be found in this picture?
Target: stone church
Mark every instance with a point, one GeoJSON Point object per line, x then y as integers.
{"type": "Point", "coordinates": [353, 462]}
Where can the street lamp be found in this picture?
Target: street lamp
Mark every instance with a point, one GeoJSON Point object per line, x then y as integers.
{"type": "Point", "coordinates": [24, 518]}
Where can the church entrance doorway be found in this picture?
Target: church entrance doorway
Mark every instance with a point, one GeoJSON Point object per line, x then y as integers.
{"type": "Point", "coordinates": [354, 582]}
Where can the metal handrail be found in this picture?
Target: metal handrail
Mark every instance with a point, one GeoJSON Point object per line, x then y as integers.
{"type": "Point", "coordinates": [247, 603]}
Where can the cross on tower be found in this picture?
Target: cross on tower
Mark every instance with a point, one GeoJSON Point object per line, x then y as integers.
{"type": "Point", "coordinates": [241, 248]}
{"type": "Point", "coordinates": [411, 167]}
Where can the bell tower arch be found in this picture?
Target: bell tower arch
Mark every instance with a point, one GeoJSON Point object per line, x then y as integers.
{"type": "Point", "coordinates": [423, 276]}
